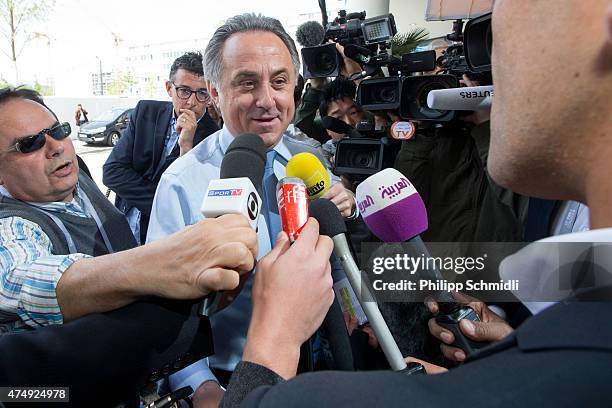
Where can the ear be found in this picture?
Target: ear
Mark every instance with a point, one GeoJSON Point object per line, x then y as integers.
{"type": "Point", "coordinates": [213, 91]}
{"type": "Point", "coordinates": [169, 88]}
{"type": "Point", "coordinates": [609, 25]}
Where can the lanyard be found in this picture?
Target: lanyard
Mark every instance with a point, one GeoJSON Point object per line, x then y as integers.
{"type": "Point", "coordinates": [92, 211]}
{"type": "Point", "coordinates": [89, 208]}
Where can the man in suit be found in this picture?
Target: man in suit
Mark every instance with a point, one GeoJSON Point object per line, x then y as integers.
{"type": "Point", "coordinates": [562, 355]}
{"type": "Point", "coordinates": [157, 133]}
{"type": "Point", "coordinates": [251, 67]}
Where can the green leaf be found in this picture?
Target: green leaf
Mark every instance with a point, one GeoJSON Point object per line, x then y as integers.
{"type": "Point", "coordinates": [404, 43]}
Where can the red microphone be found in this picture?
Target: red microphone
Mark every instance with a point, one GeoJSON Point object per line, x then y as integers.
{"type": "Point", "coordinates": [292, 199]}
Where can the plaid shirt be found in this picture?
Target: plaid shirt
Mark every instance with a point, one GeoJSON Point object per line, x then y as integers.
{"type": "Point", "coordinates": [29, 272]}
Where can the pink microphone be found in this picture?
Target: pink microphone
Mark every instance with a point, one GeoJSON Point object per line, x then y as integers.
{"type": "Point", "coordinates": [391, 207]}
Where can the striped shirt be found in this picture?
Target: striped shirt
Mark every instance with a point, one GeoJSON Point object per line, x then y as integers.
{"type": "Point", "coordinates": [30, 272]}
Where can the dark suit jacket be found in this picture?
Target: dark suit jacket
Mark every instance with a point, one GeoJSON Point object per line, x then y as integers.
{"type": "Point", "coordinates": [135, 165]}
{"type": "Point", "coordinates": [106, 358]}
{"type": "Point", "coordinates": [561, 357]}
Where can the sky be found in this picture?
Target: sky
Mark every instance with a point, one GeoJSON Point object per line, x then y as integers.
{"type": "Point", "coordinates": [80, 33]}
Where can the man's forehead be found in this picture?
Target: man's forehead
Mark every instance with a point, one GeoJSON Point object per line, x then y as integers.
{"type": "Point", "coordinates": [22, 116]}
{"type": "Point", "coordinates": [244, 46]}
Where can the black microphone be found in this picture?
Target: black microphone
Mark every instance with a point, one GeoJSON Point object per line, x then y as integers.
{"type": "Point", "coordinates": [238, 191]}
{"type": "Point", "coordinates": [332, 225]}
{"type": "Point", "coordinates": [309, 34]}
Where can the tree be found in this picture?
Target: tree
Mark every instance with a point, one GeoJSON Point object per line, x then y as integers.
{"type": "Point", "coordinates": [17, 18]}
{"type": "Point", "coordinates": [122, 82]}
{"type": "Point", "coordinates": [45, 90]}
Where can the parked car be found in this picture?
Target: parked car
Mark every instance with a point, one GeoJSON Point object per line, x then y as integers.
{"type": "Point", "coordinates": [106, 127]}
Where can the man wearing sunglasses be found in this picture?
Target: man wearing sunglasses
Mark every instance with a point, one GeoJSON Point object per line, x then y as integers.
{"type": "Point", "coordinates": [66, 252]}
{"type": "Point", "coordinates": [158, 133]}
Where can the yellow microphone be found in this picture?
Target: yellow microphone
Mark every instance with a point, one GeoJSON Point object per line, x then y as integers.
{"type": "Point", "coordinates": [309, 168]}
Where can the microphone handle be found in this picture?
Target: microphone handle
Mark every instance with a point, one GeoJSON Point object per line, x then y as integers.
{"type": "Point", "coordinates": [370, 307]}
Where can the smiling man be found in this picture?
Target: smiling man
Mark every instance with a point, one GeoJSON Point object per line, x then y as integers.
{"type": "Point", "coordinates": [251, 65]}
{"type": "Point", "coordinates": [551, 138]}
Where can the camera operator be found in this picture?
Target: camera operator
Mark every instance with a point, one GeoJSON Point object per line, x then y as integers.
{"type": "Point", "coordinates": [338, 101]}
{"type": "Point", "coordinates": [447, 164]}
{"type": "Point", "coordinates": [306, 113]}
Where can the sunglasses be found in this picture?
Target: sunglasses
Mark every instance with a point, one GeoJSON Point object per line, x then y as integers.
{"type": "Point", "coordinates": [29, 144]}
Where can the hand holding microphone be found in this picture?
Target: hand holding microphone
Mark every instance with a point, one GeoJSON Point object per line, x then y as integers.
{"type": "Point", "coordinates": [292, 293]}
{"type": "Point", "coordinates": [394, 211]}
{"type": "Point", "coordinates": [309, 168]}
{"type": "Point", "coordinates": [236, 192]}
{"type": "Point", "coordinates": [490, 328]}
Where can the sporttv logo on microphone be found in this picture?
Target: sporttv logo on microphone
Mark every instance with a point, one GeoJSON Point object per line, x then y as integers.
{"type": "Point", "coordinates": [225, 193]}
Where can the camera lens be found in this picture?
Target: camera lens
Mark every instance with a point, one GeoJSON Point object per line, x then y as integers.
{"type": "Point", "coordinates": [324, 62]}
{"type": "Point", "coordinates": [421, 101]}
{"type": "Point", "coordinates": [361, 159]}
{"type": "Point", "coordinates": [388, 94]}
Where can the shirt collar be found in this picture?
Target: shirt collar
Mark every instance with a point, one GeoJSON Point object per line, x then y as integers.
{"type": "Point", "coordinates": [537, 265]}
{"type": "Point", "coordinates": [226, 137]}
{"type": "Point", "coordinates": [76, 200]}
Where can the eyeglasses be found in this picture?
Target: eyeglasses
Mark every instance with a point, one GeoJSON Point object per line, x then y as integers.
{"type": "Point", "coordinates": [184, 92]}
{"type": "Point", "coordinates": [29, 144]}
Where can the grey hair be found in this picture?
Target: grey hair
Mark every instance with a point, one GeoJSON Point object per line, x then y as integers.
{"type": "Point", "coordinates": [213, 56]}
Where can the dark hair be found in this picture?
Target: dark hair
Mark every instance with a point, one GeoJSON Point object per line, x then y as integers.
{"type": "Point", "coordinates": [21, 92]}
{"type": "Point", "coordinates": [337, 89]}
{"type": "Point", "coordinates": [299, 88]}
{"type": "Point", "coordinates": [190, 61]}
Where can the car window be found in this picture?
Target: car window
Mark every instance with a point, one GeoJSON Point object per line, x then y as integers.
{"type": "Point", "coordinates": [109, 115]}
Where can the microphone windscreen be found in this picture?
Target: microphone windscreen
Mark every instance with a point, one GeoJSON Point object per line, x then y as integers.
{"type": "Point", "coordinates": [330, 220]}
{"type": "Point", "coordinates": [335, 125]}
{"type": "Point", "coordinates": [245, 157]}
{"type": "Point", "coordinates": [308, 167]}
{"type": "Point", "coordinates": [309, 34]}
{"type": "Point", "coordinates": [391, 207]}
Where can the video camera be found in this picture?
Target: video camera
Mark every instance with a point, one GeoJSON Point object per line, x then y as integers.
{"type": "Point", "coordinates": [363, 38]}
{"type": "Point", "coordinates": [406, 94]}
{"type": "Point", "coordinates": [470, 53]}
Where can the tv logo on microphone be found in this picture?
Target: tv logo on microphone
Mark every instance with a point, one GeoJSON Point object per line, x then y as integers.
{"type": "Point", "coordinates": [252, 206]}
{"type": "Point", "coordinates": [225, 193]}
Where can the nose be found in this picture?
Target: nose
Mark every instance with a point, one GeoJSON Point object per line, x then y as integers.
{"type": "Point", "coordinates": [265, 98]}
{"type": "Point", "coordinates": [192, 100]}
{"type": "Point", "coordinates": [55, 148]}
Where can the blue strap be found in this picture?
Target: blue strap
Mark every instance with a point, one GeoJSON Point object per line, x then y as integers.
{"type": "Point", "coordinates": [269, 191]}
{"type": "Point", "coordinates": [71, 246]}
{"type": "Point", "coordinates": [92, 211]}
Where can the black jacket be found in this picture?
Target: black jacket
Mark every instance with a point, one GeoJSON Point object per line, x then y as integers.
{"type": "Point", "coordinates": [448, 167]}
{"type": "Point", "coordinates": [133, 168]}
{"type": "Point", "coordinates": [561, 357]}
{"type": "Point", "coordinates": [105, 358]}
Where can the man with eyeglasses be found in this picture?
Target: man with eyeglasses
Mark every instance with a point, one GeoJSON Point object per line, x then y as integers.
{"type": "Point", "coordinates": [158, 133]}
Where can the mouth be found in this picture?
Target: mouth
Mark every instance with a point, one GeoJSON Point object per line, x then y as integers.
{"type": "Point", "coordinates": [64, 169]}
{"type": "Point", "coordinates": [265, 120]}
